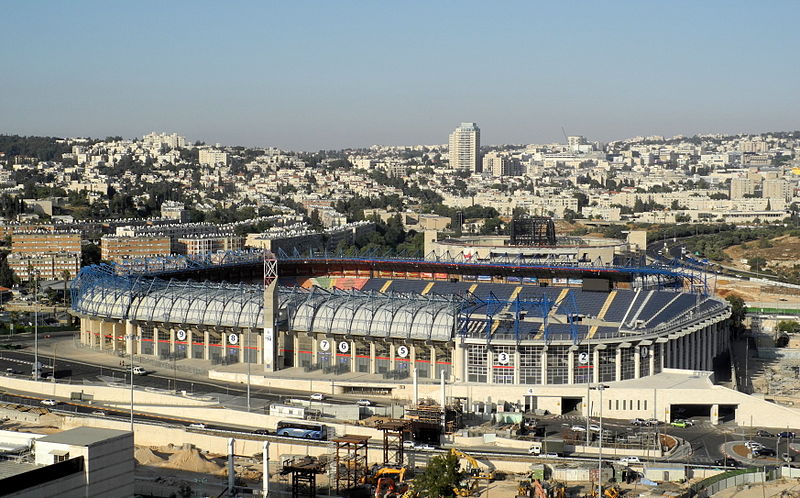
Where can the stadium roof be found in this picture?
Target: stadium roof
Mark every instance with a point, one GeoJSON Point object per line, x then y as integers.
{"type": "Point", "coordinates": [100, 292]}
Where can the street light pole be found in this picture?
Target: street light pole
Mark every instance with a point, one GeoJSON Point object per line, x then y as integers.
{"type": "Point", "coordinates": [36, 368]}
{"type": "Point", "coordinates": [601, 388]}
{"type": "Point", "coordinates": [131, 337]}
{"type": "Point", "coordinates": [247, 359]}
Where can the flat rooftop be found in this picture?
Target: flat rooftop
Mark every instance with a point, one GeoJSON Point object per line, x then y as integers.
{"type": "Point", "coordinates": [84, 436]}
{"type": "Point", "coordinates": [669, 379]}
{"type": "Point", "coordinates": [9, 468]}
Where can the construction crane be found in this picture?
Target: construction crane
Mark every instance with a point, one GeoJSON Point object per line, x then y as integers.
{"type": "Point", "coordinates": [474, 469]}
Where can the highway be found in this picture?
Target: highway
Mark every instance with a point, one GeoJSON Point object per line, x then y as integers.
{"type": "Point", "coordinates": [69, 370]}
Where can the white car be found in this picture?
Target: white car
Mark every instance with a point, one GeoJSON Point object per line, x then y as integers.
{"type": "Point", "coordinates": [629, 460]}
{"type": "Point", "coordinates": [49, 402]}
{"type": "Point", "coordinates": [578, 428]}
{"type": "Point", "coordinates": [364, 402]}
{"type": "Point", "coordinates": [594, 428]}
{"type": "Point", "coordinates": [139, 371]}
{"type": "Point", "coordinates": [408, 444]}
{"type": "Point", "coordinates": [99, 413]}
{"type": "Point", "coordinates": [424, 447]}
{"type": "Point", "coordinates": [197, 425]}
{"type": "Point", "coordinates": [753, 445]}
{"type": "Point", "coordinates": [317, 397]}
{"type": "Point", "coordinates": [550, 455]}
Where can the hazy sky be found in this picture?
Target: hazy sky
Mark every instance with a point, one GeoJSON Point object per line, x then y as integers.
{"type": "Point", "coordinates": [334, 74]}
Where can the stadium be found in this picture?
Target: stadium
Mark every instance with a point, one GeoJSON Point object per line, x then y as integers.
{"type": "Point", "coordinates": [502, 319]}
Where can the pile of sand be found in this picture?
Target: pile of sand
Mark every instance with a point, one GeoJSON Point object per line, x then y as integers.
{"type": "Point", "coordinates": [191, 460]}
{"type": "Point", "coordinates": [145, 456]}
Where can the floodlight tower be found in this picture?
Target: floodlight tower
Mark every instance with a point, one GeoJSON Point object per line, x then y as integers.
{"type": "Point", "coordinates": [270, 306]}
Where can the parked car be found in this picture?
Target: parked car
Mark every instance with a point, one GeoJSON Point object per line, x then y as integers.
{"type": "Point", "coordinates": [424, 446]}
{"type": "Point", "coordinates": [99, 413]}
{"type": "Point", "coordinates": [629, 460]}
{"type": "Point", "coordinates": [786, 435]}
{"type": "Point", "coordinates": [49, 402]}
{"type": "Point", "coordinates": [681, 423]}
{"type": "Point", "coordinates": [317, 396]}
{"type": "Point", "coordinates": [753, 445]}
{"type": "Point", "coordinates": [364, 402]}
{"type": "Point", "coordinates": [139, 371]}
{"type": "Point", "coordinates": [594, 428]}
{"type": "Point", "coordinates": [578, 428]}
{"type": "Point", "coordinates": [763, 433]}
{"type": "Point", "coordinates": [652, 422]}
{"type": "Point", "coordinates": [550, 455]}
{"type": "Point", "coordinates": [408, 444]}
{"type": "Point", "coordinates": [197, 425]}
{"type": "Point", "coordinates": [767, 452]}
{"type": "Point", "coordinates": [639, 421]}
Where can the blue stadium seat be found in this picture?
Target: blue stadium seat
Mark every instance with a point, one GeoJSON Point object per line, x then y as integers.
{"type": "Point", "coordinates": [657, 301]}
{"type": "Point", "coordinates": [620, 305]}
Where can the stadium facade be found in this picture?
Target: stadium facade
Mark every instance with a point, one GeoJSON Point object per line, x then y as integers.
{"type": "Point", "coordinates": [471, 323]}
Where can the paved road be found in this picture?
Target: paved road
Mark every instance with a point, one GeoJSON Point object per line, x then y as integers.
{"type": "Point", "coordinates": [78, 372]}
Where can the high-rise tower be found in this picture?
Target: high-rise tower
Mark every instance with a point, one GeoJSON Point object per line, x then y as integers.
{"type": "Point", "coordinates": [465, 143]}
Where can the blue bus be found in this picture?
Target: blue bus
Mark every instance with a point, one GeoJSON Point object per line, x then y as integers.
{"type": "Point", "coordinates": [302, 430]}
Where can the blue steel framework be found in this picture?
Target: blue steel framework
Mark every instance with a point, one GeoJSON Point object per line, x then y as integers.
{"type": "Point", "coordinates": [662, 274]}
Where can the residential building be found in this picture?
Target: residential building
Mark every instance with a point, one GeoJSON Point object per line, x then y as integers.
{"type": "Point", "coordinates": [741, 187]}
{"type": "Point", "coordinates": [465, 143]}
{"type": "Point", "coordinates": [174, 211]}
{"type": "Point", "coordinates": [48, 266]}
{"type": "Point", "coordinates": [211, 157]}
{"type": "Point", "coordinates": [498, 165]}
{"type": "Point", "coordinates": [42, 241]}
{"type": "Point", "coordinates": [117, 249]}
{"type": "Point", "coordinates": [172, 140]}
{"type": "Point", "coordinates": [194, 245]}
{"type": "Point", "coordinates": [776, 188]}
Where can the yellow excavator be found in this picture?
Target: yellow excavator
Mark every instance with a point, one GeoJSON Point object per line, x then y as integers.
{"type": "Point", "coordinates": [535, 489]}
{"type": "Point", "coordinates": [474, 469]}
{"type": "Point", "coordinates": [396, 474]}
{"type": "Point", "coordinates": [608, 492]}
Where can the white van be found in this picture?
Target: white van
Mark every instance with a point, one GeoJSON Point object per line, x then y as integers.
{"type": "Point", "coordinates": [139, 371]}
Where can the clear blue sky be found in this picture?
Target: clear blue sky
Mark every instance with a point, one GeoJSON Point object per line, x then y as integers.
{"type": "Point", "coordinates": [334, 74]}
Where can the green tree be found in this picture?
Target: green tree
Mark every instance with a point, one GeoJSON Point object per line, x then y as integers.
{"type": "Point", "coordinates": [7, 277]}
{"type": "Point", "coordinates": [315, 221]}
{"type": "Point", "coordinates": [789, 326]}
{"type": "Point", "coordinates": [442, 474]}
{"type": "Point", "coordinates": [738, 311]}
{"type": "Point", "coordinates": [90, 254]}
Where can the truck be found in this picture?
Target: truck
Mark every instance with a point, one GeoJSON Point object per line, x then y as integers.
{"type": "Point", "coordinates": [547, 447]}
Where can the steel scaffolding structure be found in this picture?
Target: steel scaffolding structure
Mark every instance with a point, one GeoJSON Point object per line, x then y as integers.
{"type": "Point", "coordinates": [351, 460]}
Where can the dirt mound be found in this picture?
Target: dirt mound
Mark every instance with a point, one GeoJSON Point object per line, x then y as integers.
{"type": "Point", "coordinates": [191, 460]}
{"type": "Point", "coordinates": [145, 456]}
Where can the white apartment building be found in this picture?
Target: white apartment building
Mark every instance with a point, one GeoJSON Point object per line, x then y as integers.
{"type": "Point", "coordinates": [776, 188]}
{"type": "Point", "coordinates": [741, 187]}
{"type": "Point", "coordinates": [498, 165]}
{"type": "Point", "coordinates": [172, 140]}
{"type": "Point", "coordinates": [465, 143]}
{"type": "Point", "coordinates": [211, 157]}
